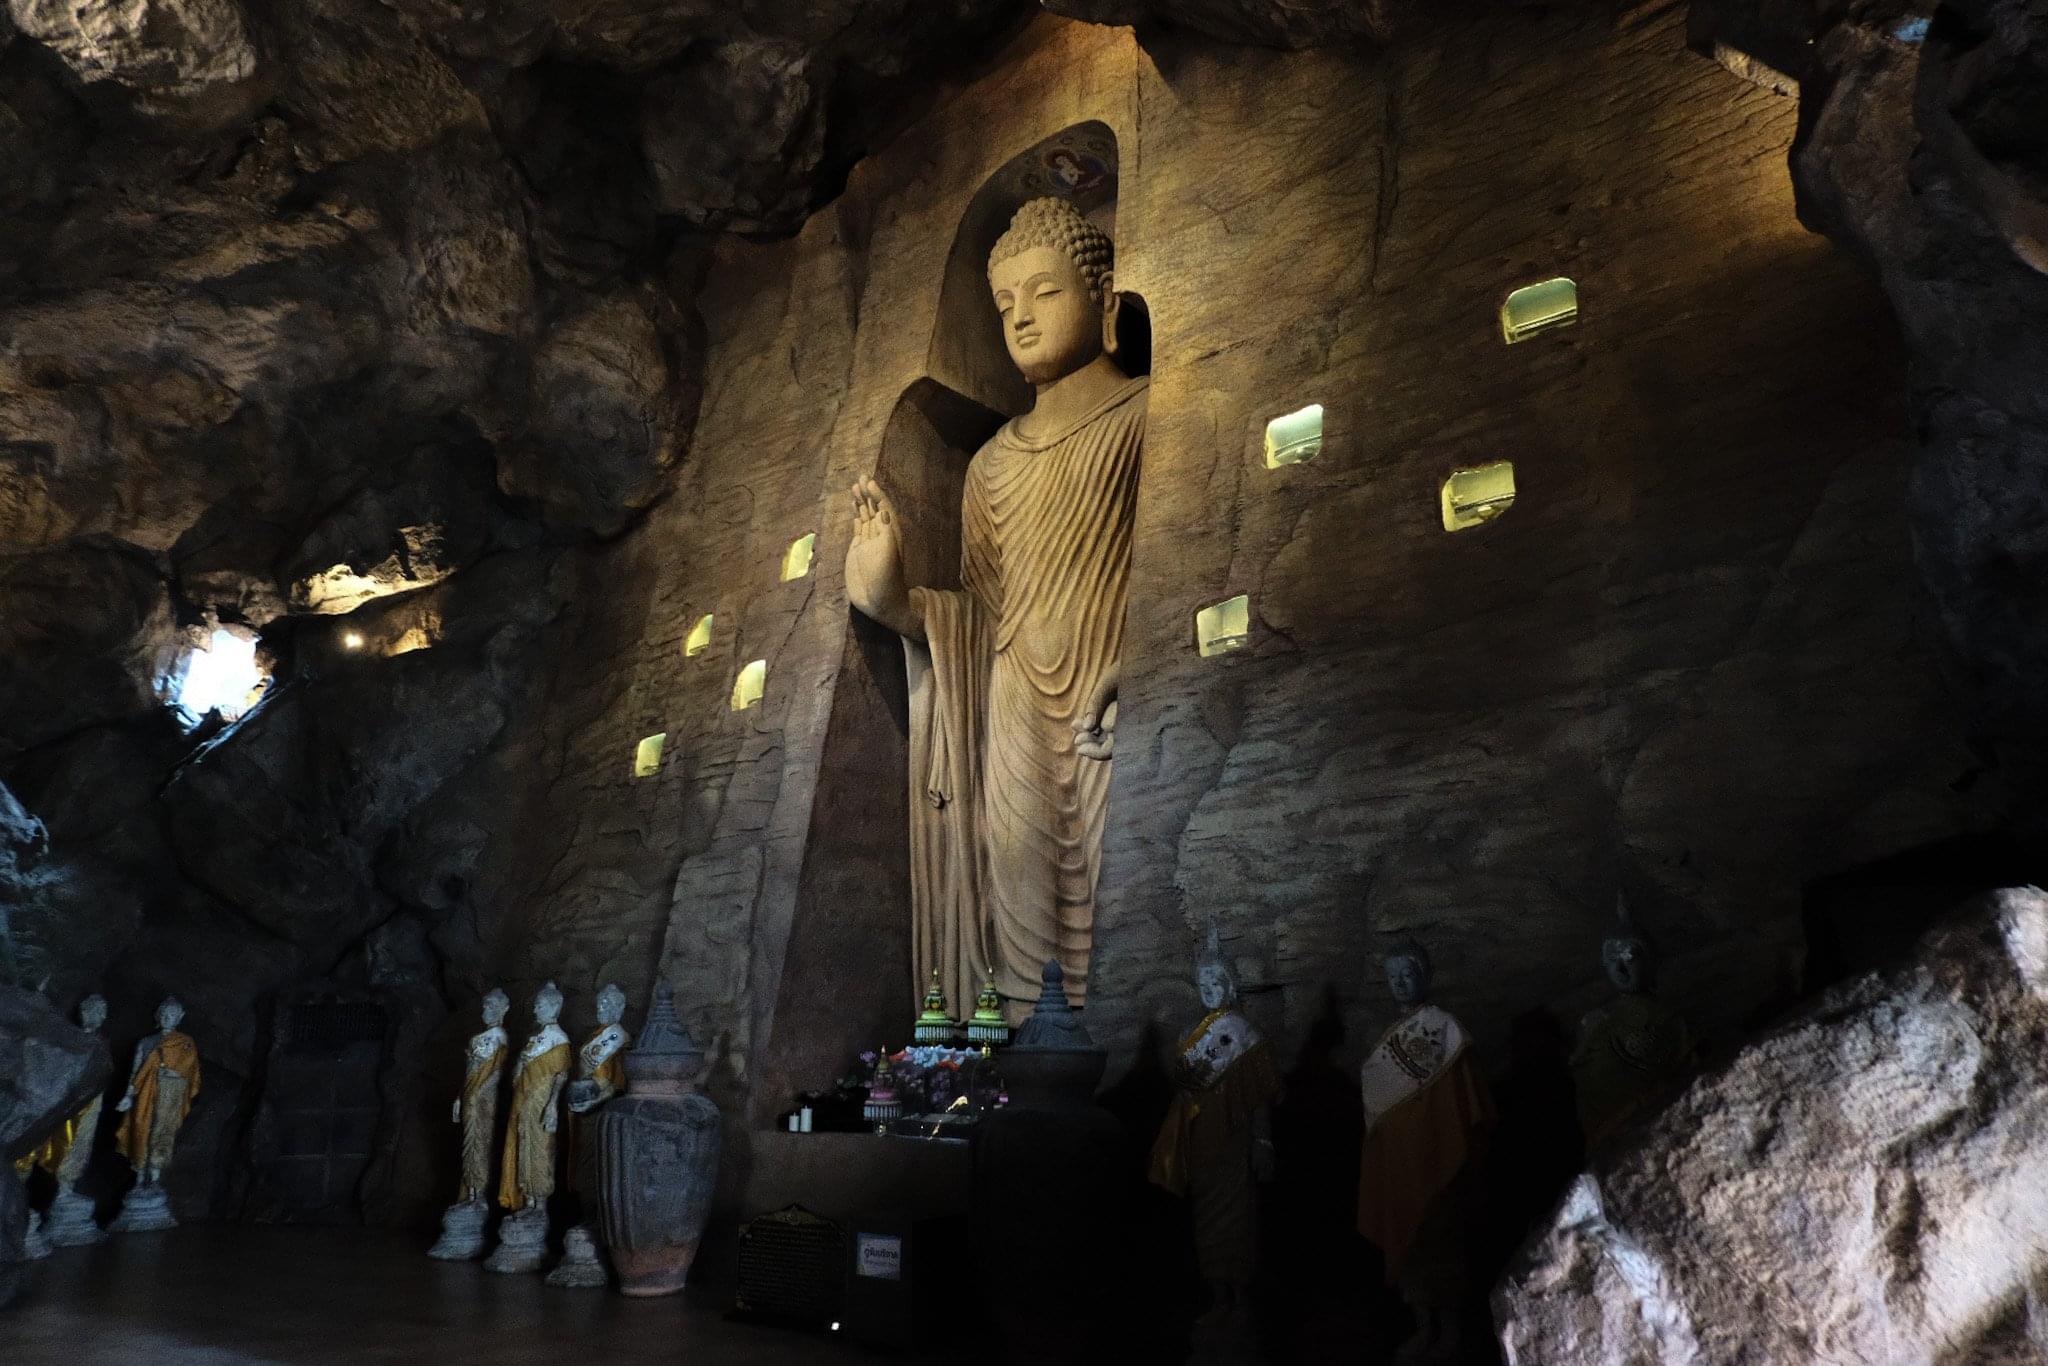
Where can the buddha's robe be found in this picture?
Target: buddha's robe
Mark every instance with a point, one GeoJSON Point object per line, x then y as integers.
{"type": "Point", "coordinates": [480, 1110]}
{"type": "Point", "coordinates": [1427, 1114]}
{"type": "Point", "coordinates": [528, 1176]}
{"type": "Point", "coordinates": [1006, 817]}
{"type": "Point", "coordinates": [1629, 1051]}
{"type": "Point", "coordinates": [63, 1154]}
{"type": "Point", "coordinates": [601, 1059]}
{"type": "Point", "coordinates": [1224, 1075]}
{"type": "Point", "coordinates": [166, 1082]}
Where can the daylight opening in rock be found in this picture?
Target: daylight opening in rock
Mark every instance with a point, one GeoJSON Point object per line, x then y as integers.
{"type": "Point", "coordinates": [796, 561]}
{"type": "Point", "coordinates": [1294, 437]}
{"type": "Point", "coordinates": [1539, 308]}
{"type": "Point", "coordinates": [1475, 496]}
{"type": "Point", "coordinates": [647, 755]}
{"type": "Point", "coordinates": [221, 676]}
{"type": "Point", "coordinates": [699, 639]}
{"type": "Point", "coordinates": [1224, 627]}
{"type": "Point", "coordinates": [352, 640]}
{"type": "Point", "coordinates": [746, 690]}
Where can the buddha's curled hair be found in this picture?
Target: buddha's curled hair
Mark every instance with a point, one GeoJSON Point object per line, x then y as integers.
{"type": "Point", "coordinates": [1058, 224]}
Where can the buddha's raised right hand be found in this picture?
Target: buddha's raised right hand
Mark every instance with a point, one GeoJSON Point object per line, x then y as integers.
{"type": "Point", "coordinates": [875, 582]}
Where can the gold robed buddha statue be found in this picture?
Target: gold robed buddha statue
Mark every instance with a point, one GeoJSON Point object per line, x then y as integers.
{"type": "Point", "coordinates": [477, 1109]}
{"type": "Point", "coordinates": [159, 1096]}
{"type": "Point", "coordinates": [527, 1177]}
{"type": "Point", "coordinates": [1014, 674]}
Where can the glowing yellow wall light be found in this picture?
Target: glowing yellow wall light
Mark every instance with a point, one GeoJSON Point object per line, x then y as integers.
{"type": "Point", "coordinates": [1476, 496]}
{"type": "Point", "coordinates": [1294, 437]}
{"type": "Point", "coordinates": [647, 755]}
{"type": "Point", "coordinates": [796, 561]}
{"type": "Point", "coordinates": [1225, 627]}
{"type": "Point", "coordinates": [747, 688]}
{"type": "Point", "coordinates": [1541, 307]}
{"type": "Point", "coordinates": [699, 639]}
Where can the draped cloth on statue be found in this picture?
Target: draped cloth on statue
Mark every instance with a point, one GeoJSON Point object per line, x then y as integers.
{"type": "Point", "coordinates": [1006, 817]}
{"type": "Point", "coordinates": [151, 1124]}
{"type": "Point", "coordinates": [1427, 1114]}
{"type": "Point", "coordinates": [76, 1134]}
{"type": "Point", "coordinates": [480, 1113]}
{"type": "Point", "coordinates": [1224, 1076]}
{"type": "Point", "coordinates": [529, 1172]}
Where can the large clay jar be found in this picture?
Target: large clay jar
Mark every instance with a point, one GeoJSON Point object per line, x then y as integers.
{"type": "Point", "coordinates": [658, 1147]}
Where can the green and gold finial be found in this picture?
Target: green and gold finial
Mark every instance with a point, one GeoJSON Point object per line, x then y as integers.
{"type": "Point", "coordinates": [988, 1025]}
{"type": "Point", "coordinates": [935, 1024]}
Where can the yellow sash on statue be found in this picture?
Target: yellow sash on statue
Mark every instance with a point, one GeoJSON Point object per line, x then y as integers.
{"type": "Point", "coordinates": [180, 1054]}
{"type": "Point", "coordinates": [530, 1092]}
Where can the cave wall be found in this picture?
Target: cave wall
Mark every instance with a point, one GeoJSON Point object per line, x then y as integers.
{"type": "Point", "coordinates": [1693, 662]}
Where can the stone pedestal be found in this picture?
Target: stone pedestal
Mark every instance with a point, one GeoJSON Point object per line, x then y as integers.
{"type": "Point", "coordinates": [71, 1222]}
{"type": "Point", "coordinates": [145, 1210]}
{"type": "Point", "coordinates": [462, 1232]}
{"type": "Point", "coordinates": [522, 1243]}
{"type": "Point", "coordinates": [580, 1268]}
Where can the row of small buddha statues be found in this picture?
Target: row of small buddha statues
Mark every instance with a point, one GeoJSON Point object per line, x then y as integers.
{"type": "Point", "coordinates": [161, 1088]}
{"type": "Point", "coordinates": [1427, 1113]}
{"type": "Point", "coordinates": [651, 1210]}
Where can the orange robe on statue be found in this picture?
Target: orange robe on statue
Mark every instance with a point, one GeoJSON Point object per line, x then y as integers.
{"type": "Point", "coordinates": [177, 1052]}
{"type": "Point", "coordinates": [1427, 1114]}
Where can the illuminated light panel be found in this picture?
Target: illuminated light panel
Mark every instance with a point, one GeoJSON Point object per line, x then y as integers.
{"type": "Point", "coordinates": [352, 640]}
{"type": "Point", "coordinates": [1224, 628]}
{"type": "Point", "coordinates": [796, 561]}
{"type": "Point", "coordinates": [747, 688]}
{"type": "Point", "coordinates": [1477, 496]}
{"type": "Point", "coordinates": [1537, 308]}
{"type": "Point", "coordinates": [647, 755]}
{"type": "Point", "coordinates": [1295, 437]}
{"type": "Point", "coordinates": [699, 639]}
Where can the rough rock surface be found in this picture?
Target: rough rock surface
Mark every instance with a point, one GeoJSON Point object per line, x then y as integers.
{"type": "Point", "coordinates": [1863, 1183]}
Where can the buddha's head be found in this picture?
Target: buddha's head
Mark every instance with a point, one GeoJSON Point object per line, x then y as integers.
{"type": "Point", "coordinates": [92, 1012]}
{"type": "Point", "coordinates": [1627, 960]}
{"type": "Point", "coordinates": [170, 1014]}
{"type": "Point", "coordinates": [611, 1004]}
{"type": "Point", "coordinates": [1213, 977]}
{"type": "Point", "coordinates": [497, 1005]}
{"type": "Point", "coordinates": [547, 1004]}
{"type": "Point", "coordinates": [1051, 275]}
{"type": "Point", "coordinates": [1407, 971]}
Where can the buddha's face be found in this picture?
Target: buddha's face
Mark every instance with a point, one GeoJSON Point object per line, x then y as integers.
{"type": "Point", "coordinates": [547, 1007]}
{"type": "Point", "coordinates": [1214, 984]}
{"type": "Point", "coordinates": [1050, 324]}
{"type": "Point", "coordinates": [1628, 965]}
{"type": "Point", "coordinates": [1407, 979]}
{"type": "Point", "coordinates": [92, 1012]}
{"type": "Point", "coordinates": [611, 1006]}
{"type": "Point", "coordinates": [169, 1015]}
{"type": "Point", "coordinates": [496, 1006]}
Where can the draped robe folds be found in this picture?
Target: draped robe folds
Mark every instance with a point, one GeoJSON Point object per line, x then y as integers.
{"type": "Point", "coordinates": [151, 1125]}
{"type": "Point", "coordinates": [480, 1110]}
{"type": "Point", "coordinates": [1427, 1114]}
{"type": "Point", "coordinates": [529, 1172]}
{"type": "Point", "coordinates": [1006, 817]}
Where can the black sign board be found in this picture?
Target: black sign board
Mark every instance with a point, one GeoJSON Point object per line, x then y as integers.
{"type": "Point", "coordinates": [793, 1268]}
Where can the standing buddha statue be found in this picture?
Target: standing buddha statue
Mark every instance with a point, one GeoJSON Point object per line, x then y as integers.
{"type": "Point", "coordinates": [601, 1074]}
{"type": "Point", "coordinates": [476, 1110]}
{"type": "Point", "coordinates": [1427, 1114]}
{"type": "Point", "coordinates": [527, 1176]}
{"type": "Point", "coordinates": [70, 1221]}
{"type": "Point", "coordinates": [1630, 1049]}
{"type": "Point", "coordinates": [1217, 1141]}
{"type": "Point", "coordinates": [159, 1097]}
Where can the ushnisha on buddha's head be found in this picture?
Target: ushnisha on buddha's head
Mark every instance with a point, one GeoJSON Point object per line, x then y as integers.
{"type": "Point", "coordinates": [1051, 275]}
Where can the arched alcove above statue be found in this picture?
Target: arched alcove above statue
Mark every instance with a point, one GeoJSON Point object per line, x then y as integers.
{"type": "Point", "coordinates": [1079, 164]}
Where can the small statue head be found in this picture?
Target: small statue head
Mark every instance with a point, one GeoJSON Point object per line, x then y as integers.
{"type": "Point", "coordinates": [170, 1014]}
{"type": "Point", "coordinates": [1627, 960]}
{"type": "Point", "coordinates": [1213, 977]}
{"type": "Point", "coordinates": [497, 1005]}
{"type": "Point", "coordinates": [1054, 287]}
{"type": "Point", "coordinates": [547, 1004]}
{"type": "Point", "coordinates": [1407, 969]}
{"type": "Point", "coordinates": [611, 1004]}
{"type": "Point", "coordinates": [92, 1012]}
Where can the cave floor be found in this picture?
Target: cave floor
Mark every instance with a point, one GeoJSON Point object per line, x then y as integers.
{"type": "Point", "coordinates": [235, 1295]}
